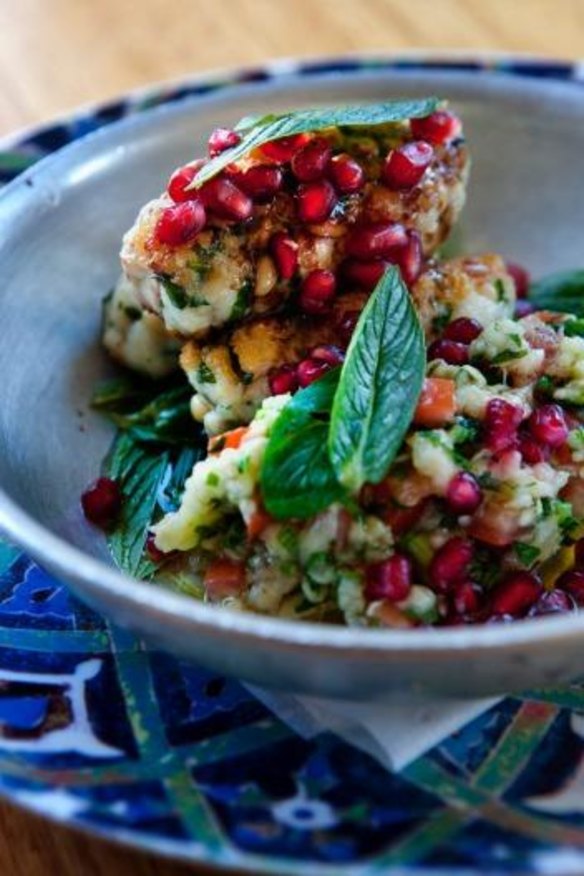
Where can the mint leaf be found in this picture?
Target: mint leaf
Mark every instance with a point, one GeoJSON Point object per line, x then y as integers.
{"type": "Point", "coordinates": [563, 291]}
{"type": "Point", "coordinates": [379, 386]}
{"type": "Point", "coordinates": [257, 130]}
{"type": "Point", "coordinates": [296, 477]}
{"type": "Point", "coordinates": [139, 472]}
{"type": "Point", "coordinates": [152, 411]}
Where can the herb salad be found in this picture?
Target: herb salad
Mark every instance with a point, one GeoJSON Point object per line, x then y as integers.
{"type": "Point", "coordinates": [327, 421]}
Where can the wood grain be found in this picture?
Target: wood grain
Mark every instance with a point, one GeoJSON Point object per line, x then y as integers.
{"type": "Point", "coordinates": [57, 54]}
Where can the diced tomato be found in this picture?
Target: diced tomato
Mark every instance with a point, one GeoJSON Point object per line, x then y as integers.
{"type": "Point", "coordinates": [258, 521]}
{"type": "Point", "coordinates": [230, 439]}
{"type": "Point", "coordinates": [437, 403]}
{"type": "Point", "coordinates": [223, 578]}
{"type": "Point", "coordinates": [389, 615]}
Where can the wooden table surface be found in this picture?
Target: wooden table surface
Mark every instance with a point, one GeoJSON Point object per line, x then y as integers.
{"type": "Point", "coordinates": [57, 54]}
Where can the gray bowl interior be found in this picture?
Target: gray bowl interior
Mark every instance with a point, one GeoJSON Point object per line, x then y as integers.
{"type": "Point", "coordinates": [61, 225]}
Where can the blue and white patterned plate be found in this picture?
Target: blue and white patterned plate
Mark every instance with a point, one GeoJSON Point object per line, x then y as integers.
{"type": "Point", "coordinates": [133, 744]}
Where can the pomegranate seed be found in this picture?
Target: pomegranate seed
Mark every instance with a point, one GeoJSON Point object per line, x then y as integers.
{"type": "Point", "coordinates": [261, 182]}
{"type": "Point", "coordinates": [316, 201]}
{"type": "Point", "coordinates": [310, 370]}
{"type": "Point", "coordinates": [365, 275]}
{"type": "Point", "coordinates": [376, 240]}
{"type": "Point", "coordinates": [462, 330]}
{"type": "Point", "coordinates": [285, 148]}
{"type": "Point", "coordinates": [466, 598]}
{"type": "Point", "coordinates": [573, 583]}
{"type": "Point", "coordinates": [451, 351]}
{"type": "Point", "coordinates": [450, 563]}
{"type": "Point", "coordinates": [102, 502]}
{"type": "Point", "coordinates": [283, 380]}
{"type": "Point", "coordinates": [520, 277]}
{"type": "Point", "coordinates": [523, 308]}
{"type": "Point", "coordinates": [405, 166]}
{"type": "Point", "coordinates": [553, 602]}
{"type": "Point", "coordinates": [155, 554]}
{"type": "Point", "coordinates": [179, 225]}
{"type": "Point", "coordinates": [501, 422]}
{"type": "Point", "coordinates": [463, 494]}
{"type": "Point", "coordinates": [579, 553]}
{"type": "Point", "coordinates": [182, 178]}
{"type": "Point", "coordinates": [222, 139]}
{"type": "Point", "coordinates": [548, 425]}
{"type": "Point", "coordinates": [328, 353]}
{"type": "Point", "coordinates": [516, 594]}
{"type": "Point", "coordinates": [318, 290]}
{"type": "Point", "coordinates": [530, 450]}
{"type": "Point", "coordinates": [391, 579]}
{"type": "Point", "coordinates": [346, 174]}
{"type": "Point", "coordinates": [310, 162]}
{"type": "Point", "coordinates": [410, 258]}
{"type": "Point", "coordinates": [438, 128]}
{"type": "Point", "coordinates": [346, 322]}
{"type": "Point", "coordinates": [285, 253]}
{"type": "Point", "coordinates": [226, 200]}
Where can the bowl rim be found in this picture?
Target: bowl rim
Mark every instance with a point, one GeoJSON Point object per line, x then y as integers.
{"type": "Point", "coordinates": [100, 582]}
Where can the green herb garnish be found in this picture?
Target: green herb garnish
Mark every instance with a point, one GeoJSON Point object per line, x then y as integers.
{"type": "Point", "coordinates": [563, 291]}
{"type": "Point", "coordinates": [379, 386]}
{"type": "Point", "coordinates": [346, 428]}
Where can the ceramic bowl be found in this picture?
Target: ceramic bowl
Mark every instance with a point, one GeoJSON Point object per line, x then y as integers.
{"type": "Point", "coordinates": [60, 228]}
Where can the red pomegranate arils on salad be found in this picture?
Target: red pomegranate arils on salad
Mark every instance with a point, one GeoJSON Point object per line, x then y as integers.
{"type": "Point", "coordinates": [463, 330]}
{"type": "Point", "coordinates": [317, 292]}
{"type": "Point", "coordinates": [180, 224]}
{"type": "Point", "coordinates": [310, 162]}
{"type": "Point", "coordinates": [450, 563]}
{"type": "Point", "coordinates": [438, 128]}
{"type": "Point", "coordinates": [283, 380]}
{"type": "Point", "coordinates": [222, 139]}
{"type": "Point", "coordinates": [516, 594]}
{"type": "Point", "coordinates": [102, 502]}
{"type": "Point", "coordinates": [391, 579]}
{"type": "Point", "coordinates": [285, 253]}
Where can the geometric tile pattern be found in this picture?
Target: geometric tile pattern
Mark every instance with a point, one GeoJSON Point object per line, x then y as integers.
{"type": "Point", "coordinates": [101, 731]}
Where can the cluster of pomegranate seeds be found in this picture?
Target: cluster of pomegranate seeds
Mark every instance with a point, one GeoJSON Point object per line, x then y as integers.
{"type": "Point", "coordinates": [391, 579]}
{"type": "Point", "coordinates": [452, 352]}
{"type": "Point", "coordinates": [222, 139]}
{"type": "Point", "coordinates": [288, 378]}
{"type": "Point", "coordinates": [316, 201]}
{"type": "Point", "coordinates": [405, 166]}
{"type": "Point", "coordinates": [438, 128]}
{"type": "Point", "coordinates": [520, 277]}
{"type": "Point", "coordinates": [502, 420]}
{"type": "Point", "coordinates": [548, 426]}
{"type": "Point", "coordinates": [317, 291]}
{"type": "Point", "coordinates": [284, 251]}
{"type": "Point", "coordinates": [102, 502]}
{"type": "Point", "coordinates": [450, 563]}
{"type": "Point", "coordinates": [180, 224]}
{"type": "Point", "coordinates": [226, 200]}
{"type": "Point", "coordinates": [462, 330]}
{"type": "Point", "coordinates": [346, 174]}
{"type": "Point", "coordinates": [387, 244]}
{"type": "Point", "coordinates": [463, 494]}
{"type": "Point", "coordinates": [261, 182]}
{"type": "Point", "coordinates": [310, 162]}
{"type": "Point", "coordinates": [516, 594]}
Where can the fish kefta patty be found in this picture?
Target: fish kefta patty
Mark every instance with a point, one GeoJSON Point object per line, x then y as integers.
{"type": "Point", "coordinates": [297, 219]}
